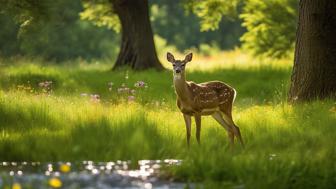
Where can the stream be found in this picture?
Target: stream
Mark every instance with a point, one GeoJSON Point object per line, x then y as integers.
{"type": "Point", "coordinates": [89, 175]}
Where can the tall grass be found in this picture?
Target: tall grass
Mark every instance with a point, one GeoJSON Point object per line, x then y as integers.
{"type": "Point", "coordinates": [287, 146]}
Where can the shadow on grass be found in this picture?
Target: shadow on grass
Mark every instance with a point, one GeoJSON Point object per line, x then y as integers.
{"type": "Point", "coordinates": [23, 118]}
{"type": "Point", "coordinates": [99, 140]}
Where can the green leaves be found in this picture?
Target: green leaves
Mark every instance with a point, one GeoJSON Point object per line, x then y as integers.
{"type": "Point", "coordinates": [211, 11]}
{"type": "Point", "coordinates": [100, 12]}
{"type": "Point", "coordinates": [270, 27]}
{"type": "Point", "coordinates": [270, 24]}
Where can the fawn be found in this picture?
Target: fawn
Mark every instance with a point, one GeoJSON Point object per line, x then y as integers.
{"type": "Point", "coordinates": [213, 98]}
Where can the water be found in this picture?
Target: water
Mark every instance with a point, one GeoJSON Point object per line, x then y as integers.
{"type": "Point", "coordinates": [88, 175]}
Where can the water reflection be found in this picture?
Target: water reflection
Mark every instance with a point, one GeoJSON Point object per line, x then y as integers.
{"type": "Point", "coordinates": [87, 174]}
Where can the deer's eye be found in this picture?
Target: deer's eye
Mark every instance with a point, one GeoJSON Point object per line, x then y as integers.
{"type": "Point", "coordinates": [174, 65]}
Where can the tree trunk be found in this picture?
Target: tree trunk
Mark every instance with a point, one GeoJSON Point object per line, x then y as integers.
{"type": "Point", "coordinates": [137, 46]}
{"type": "Point", "coordinates": [314, 71]}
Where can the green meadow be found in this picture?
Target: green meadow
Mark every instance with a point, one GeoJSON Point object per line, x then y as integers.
{"type": "Point", "coordinates": [82, 110]}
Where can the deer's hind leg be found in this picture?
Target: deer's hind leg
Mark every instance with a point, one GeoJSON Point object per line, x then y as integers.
{"type": "Point", "coordinates": [226, 113]}
{"type": "Point", "coordinates": [219, 118]}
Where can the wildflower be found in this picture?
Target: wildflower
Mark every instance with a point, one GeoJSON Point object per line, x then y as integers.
{"type": "Point", "coordinates": [272, 156]}
{"type": "Point", "coordinates": [20, 86]}
{"type": "Point", "coordinates": [41, 84]}
{"type": "Point", "coordinates": [140, 84]}
{"type": "Point", "coordinates": [120, 90]}
{"type": "Point", "coordinates": [126, 75]}
{"type": "Point", "coordinates": [110, 85]}
{"type": "Point", "coordinates": [16, 186]}
{"type": "Point", "coordinates": [45, 84]}
{"type": "Point", "coordinates": [95, 98]}
{"type": "Point", "coordinates": [126, 90]}
{"type": "Point", "coordinates": [55, 182]}
{"type": "Point", "coordinates": [123, 90]}
{"type": "Point", "coordinates": [65, 168]}
{"type": "Point", "coordinates": [131, 98]}
{"type": "Point", "coordinates": [132, 91]}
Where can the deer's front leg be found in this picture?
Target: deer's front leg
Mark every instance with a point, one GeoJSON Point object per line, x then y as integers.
{"type": "Point", "coordinates": [187, 119]}
{"type": "Point", "coordinates": [198, 128]}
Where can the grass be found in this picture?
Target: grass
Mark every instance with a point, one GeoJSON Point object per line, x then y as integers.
{"type": "Point", "coordinates": [287, 146]}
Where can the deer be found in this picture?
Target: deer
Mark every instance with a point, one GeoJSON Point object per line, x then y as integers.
{"type": "Point", "coordinates": [212, 98]}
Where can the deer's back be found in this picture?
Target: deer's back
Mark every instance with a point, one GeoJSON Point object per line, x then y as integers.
{"type": "Point", "coordinates": [211, 94]}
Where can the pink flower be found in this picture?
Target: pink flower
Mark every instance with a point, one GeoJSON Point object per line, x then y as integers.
{"type": "Point", "coordinates": [131, 98]}
{"type": "Point", "coordinates": [140, 84]}
{"type": "Point", "coordinates": [95, 98]}
{"type": "Point", "coordinates": [45, 84]}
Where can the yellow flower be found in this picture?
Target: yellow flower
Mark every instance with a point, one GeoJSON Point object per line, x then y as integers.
{"type": "Point", "coordinates": [16, 186]}
{"type": "Point", "coordinates": [55, 182]}
{"type": "Point", "coordinates": [65, 168]}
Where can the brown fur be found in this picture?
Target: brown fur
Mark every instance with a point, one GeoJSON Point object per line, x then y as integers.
{"type": "Point", "coordinates": [213, 98]}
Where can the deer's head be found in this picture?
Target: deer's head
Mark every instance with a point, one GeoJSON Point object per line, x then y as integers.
{"type": "Point", "coordinates": [178, 65]}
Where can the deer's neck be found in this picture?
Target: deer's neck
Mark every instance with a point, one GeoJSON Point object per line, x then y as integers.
{"type": "Point", "coordinates": [181, 87]}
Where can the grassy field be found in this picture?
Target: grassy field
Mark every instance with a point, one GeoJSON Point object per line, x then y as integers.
{"type": "Point", "coordinates": [287, 146]}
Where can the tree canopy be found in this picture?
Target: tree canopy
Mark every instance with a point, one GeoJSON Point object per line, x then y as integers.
{"type": "Point", "coordinates": [270, 25]}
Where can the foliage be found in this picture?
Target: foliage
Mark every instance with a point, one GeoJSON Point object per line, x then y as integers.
{"type": "Point", "coordinates": [270, 26]}
{"type": "Point", "coordinates": [212, 11]}
{"type": "Point", "coordinates": [100, 13]}
{"type": "Point", "coordinates": [59, 36]}
{"type": "Point", "coordinates": [8, 37]}
{"type": "Point", "coordinates": [181, 29]}
{"type": "Point", "coordinates": [31, 13]}
{"type": "Point", "coordinates": [286, 146]}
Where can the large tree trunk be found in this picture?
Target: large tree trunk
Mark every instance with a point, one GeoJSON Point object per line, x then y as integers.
{"type": "Point", "coordinates": [314, 71]}
{"type": "Point", "coordinates": [137, 46]}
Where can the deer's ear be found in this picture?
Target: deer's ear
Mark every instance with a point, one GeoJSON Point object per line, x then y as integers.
{"type": "Point", "coordinates": [188, 58]}
{"type": "Point", "coordinates": [170, 57]}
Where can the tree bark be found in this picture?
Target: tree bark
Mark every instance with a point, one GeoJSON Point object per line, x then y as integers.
{"type": "Point", "coordinates": [314, 71]}
{"type": "Point", "coordinates": [137, 46]}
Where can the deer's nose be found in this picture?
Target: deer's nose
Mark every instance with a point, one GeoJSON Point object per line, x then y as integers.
{"type": "Point", "coordinates": [178, 71]}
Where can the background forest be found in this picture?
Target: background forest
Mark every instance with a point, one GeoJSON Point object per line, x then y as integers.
{"type": "Point", "coordinates": [66, 36]}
